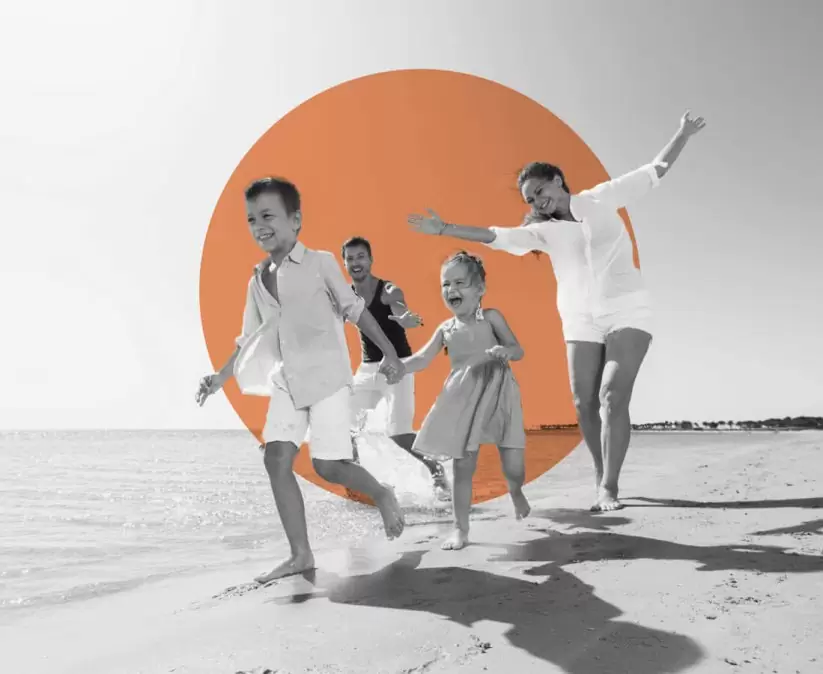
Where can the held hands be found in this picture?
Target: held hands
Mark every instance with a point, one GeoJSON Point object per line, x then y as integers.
{"type": "Point", "coordinates": [209, 385]}
{"type": "Point", "coordinates": [427, 225]}
{"type": "Point", "coordinates": [407, 320]}
{"type": "Point", "coordinates": [689, 126]}
{"type": "Point", "coordinates": [392, 368]}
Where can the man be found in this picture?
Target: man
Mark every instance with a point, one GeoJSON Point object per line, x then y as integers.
{"type": "Point", "coordinates": [293, 350]}
{"type": "Point", "coordinates": [386, 302]}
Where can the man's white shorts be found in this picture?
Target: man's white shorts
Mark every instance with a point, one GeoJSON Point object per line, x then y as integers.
{"type": "Point", "coordinates": [370, 387]}
{"type": "Point", "coordinates": [324, 425]}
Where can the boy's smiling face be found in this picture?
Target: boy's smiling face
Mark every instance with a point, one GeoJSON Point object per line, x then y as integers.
{"type": "Point", "coordinates": [273, 229]}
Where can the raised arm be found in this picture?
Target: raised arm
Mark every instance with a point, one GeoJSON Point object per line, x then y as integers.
{"type": "Point", "coordinates": [669, 154]}
{"type": "Point", "coordinates": [514, 240]}
{"type": "Point", "coordinates": [423, 358]}
{"type": "Point", "coordinates": [631, 186]}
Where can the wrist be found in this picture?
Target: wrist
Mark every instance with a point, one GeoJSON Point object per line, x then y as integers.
{"type": "Point", "coordinates": [443, 229]}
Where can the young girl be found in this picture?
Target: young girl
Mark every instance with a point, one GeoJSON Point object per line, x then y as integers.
{"type": "Point", "coordinates": [480, 400]}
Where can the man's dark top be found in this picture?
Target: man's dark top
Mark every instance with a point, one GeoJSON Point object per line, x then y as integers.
{"type": "Point", "coordinates": [370, 352]}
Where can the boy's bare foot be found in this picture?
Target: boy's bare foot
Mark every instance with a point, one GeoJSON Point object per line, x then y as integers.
{"type": "Point", "coordinates": [393, 520]}
{"type": "Point", "coordinates": [606, 500]}
{"type": "Point", "coordinates": [458, 540]}
{"type": "Point", "coordinates": [292, 566]}
{"type": "Point", "coordinates": [521, 505]}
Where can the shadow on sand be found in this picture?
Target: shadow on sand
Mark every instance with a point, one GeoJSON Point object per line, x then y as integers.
{"type": "Point", "coordinates": [560, 620]}
{"type": "Point", "coordinates": [731, 505]}
{"type": "Point", "coordinates": [552, 614]}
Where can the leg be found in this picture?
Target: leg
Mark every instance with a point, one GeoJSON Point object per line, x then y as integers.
{"type": "Point", "coordinates": [400, 404]}
{"type": "Point", "coordinates": [365, 396]}
{"type": "Point", "coordinates": [331, 449]}
{"type": "Point", "coordinates": [441, 484]}
{"type": "Point", "coordinates": [513, 461]}
{"type": "Point", "coordinates": [625, 351]}
{"type": "Point", "coordinates": [585, 371]}
{"type": "Point", "coordinates": [283, 433]}
{"type": "Point", "coordinates": [461, 501]}
{"type": "Point", "coordinates": [279, 461]}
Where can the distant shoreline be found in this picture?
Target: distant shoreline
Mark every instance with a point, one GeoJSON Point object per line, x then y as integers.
{"type": "Point", "coordinates": [785, 424]}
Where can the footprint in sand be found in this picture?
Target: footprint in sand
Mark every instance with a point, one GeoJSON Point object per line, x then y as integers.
{"type": "Point", "coordinates": [237, 590]}
{"type": "Point", "coordinates": [425, 539]}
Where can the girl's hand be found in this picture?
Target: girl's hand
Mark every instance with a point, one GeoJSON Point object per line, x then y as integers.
{"type": "Point", "coordinates": [209, 385]}
{"type": "Point", "coordinates": [689, 126]}
{"type": "Point", "coordinates": [427, 225]}
{"type": "Point", "coordinates": [499, 352]}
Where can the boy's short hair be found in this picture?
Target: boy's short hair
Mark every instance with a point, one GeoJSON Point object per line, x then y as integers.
{"type": "Point", "coordinates": [283, 188]}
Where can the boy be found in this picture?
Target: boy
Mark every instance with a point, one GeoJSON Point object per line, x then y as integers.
{"type": "Point", "coordinates": [293, 349]}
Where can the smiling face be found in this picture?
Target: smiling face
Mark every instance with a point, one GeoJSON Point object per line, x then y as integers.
{"type": "Point", "coordinates": [461, 290]}
{"type": "Point", "coordinates": [273, 229]}
{"type": "Point", "coordinates": [546, 197]}
{"type": "Point", "coordinates": [358, 262]}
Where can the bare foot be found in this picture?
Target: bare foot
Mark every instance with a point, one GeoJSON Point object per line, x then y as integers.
{"type": "Point", "coordinates": [291, 567]}
{"type": "Point", "coordinates": [606, 501]}
{"type": "Point", "coordinates": [458, 540]}
{"type": "Point", "coordinates": [521, 505]}
{"type": "Point", "coordinates": [393, 521]}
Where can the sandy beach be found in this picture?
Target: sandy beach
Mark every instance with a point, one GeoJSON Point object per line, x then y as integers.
{"type": "Point", "coordinates": [714, 566]}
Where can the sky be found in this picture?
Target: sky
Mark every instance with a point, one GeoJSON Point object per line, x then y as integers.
{"type": "Point", "coordinates": [122, 122]}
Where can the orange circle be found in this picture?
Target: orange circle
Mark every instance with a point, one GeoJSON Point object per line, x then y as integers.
{"type": "Point", "coordinates": [364, 155]}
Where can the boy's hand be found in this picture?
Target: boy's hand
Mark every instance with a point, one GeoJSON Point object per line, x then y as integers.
{"type": "Point", "coordinates": [499, 352]}
{"type": "Point", "coordinates": [209, 385]}
{"type": "Point", "coordinates": [392, 368]}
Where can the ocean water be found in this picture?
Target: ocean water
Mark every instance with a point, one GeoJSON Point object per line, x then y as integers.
{"type": "Point", "coordinates": [85, 514]}
{"type": "Point", "coordinates": [91, 513]}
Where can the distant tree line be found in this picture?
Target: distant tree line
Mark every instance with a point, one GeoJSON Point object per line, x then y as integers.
{"type": "Point", "coordinates": [786, 423]}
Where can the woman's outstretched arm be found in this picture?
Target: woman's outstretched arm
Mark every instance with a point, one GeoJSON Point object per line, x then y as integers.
{"type": "Point", "coordinates": [514, 240]}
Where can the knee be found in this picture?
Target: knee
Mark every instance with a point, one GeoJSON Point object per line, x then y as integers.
{"type": "Point", "coordinates": [328, 470]}
{"type": "Point", "coordinates": [515, 474]}
{"type": "Point", "coordinates": [464, 468]}
{"type": "Point", "coordinates": [278, 458]}
{"type": "Point", "coordinates": [586, 404]}
{"type": "Point", "coordinates": [614, 399]}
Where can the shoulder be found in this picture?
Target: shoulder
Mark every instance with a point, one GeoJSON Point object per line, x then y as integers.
{"type": "Point", "coordinates": [446, 327]}
{"type": "Point", "coordinates": [257, 271]}
{"type": "Point", "coordinates": [322, 258]}
{"type": "Point", "coordinates": [494, 316]}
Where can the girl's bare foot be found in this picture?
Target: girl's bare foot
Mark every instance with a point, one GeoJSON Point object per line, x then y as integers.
{"type": "Point", "coordinates": [458, 540]}
{"type": "Point", "coordinates": [393, 520]}
{"type": "Point", "coordinates": [521, 505]}
{"type": "Point", "coordinates": [292, 566]}
{"type": "Point", "coordinates": [606, 500]}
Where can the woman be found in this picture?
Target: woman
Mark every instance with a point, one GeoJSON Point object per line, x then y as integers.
{"type": "Point", "coordinates": [601, 297]}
